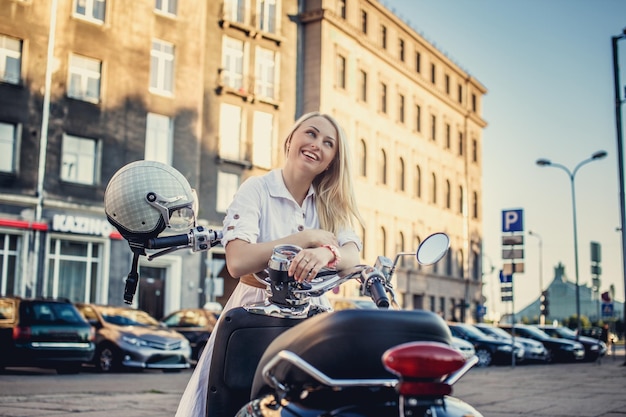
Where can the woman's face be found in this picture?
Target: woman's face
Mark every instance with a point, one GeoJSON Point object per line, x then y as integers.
{"type": "Point", "coordinates": [314, 144]}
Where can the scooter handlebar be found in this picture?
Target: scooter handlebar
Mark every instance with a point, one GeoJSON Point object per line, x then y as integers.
{"type": "Point", "coordinates": [379, 295]}
{"type": "Point", "coordinates": [169, 241]}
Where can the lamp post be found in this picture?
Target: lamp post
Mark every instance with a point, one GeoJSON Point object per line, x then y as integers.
{"type": "Point", "coordinates": [620, 153]}
{"type": "Point", "coordinates": [572, 175]}
{"type": "Point", "coordinates": [542, 317]}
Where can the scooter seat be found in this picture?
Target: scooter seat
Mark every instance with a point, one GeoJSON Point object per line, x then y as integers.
{"type": "Point", "coordinates": [348, 344]}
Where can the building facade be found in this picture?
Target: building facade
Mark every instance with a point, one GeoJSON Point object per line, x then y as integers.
{"type": "Point", "coordinates": [212, 88]}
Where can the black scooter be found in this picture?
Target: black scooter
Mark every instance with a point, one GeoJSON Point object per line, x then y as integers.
{"type": "Point", "coordinates": [289, 357]}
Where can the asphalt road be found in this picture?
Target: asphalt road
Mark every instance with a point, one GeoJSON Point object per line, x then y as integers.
{"type": "Point", "coordinates": [557, 390]}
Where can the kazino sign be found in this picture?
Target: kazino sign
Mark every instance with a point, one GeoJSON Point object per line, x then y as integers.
{"type": "Point", "coordinates": [81, 225]}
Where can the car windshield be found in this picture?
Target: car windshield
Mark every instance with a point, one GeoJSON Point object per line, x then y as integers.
{"type": "Point", "coordinates": [496, 331]}
{"type": "Point", "coordinates": [127, 317]}
{"type": "Point", "coordinates": [540, 334]}
{"type": "Point", "coordinates": [565, 332]}
{"type": "Point", "coordinates": [473, 331]}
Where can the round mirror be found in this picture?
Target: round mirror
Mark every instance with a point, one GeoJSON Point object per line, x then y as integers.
{"type": "Point", "coordinates": [433, 248]}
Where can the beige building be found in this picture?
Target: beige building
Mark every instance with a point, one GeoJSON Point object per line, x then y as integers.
{"type": "Point", "coordinates": [211, 87]}
{"type": "Point", "coordinates": [415, 120]}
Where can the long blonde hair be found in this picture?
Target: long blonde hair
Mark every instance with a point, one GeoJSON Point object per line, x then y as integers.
{"type": "Point", "coordinates": [335, 200]}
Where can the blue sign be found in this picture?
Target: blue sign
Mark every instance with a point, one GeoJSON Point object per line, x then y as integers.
{"type": "Point", "coordinates": [607, 309]}
{"type": "Point", "coordinates": [481, 310]}
{"type": "Point", "coordinates": [505, 278]}
{"type": "Point", "coordinates": [513, 220]}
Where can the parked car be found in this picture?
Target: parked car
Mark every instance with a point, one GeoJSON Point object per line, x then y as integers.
{"type": "Point", "coordinates": [559, 350]}
{"type": "Point", "coordinates": [488, 349]}
{"type": "Point", "coordinates": [196, 324]}
{"type": "Point", "coordinates": [463, 346]}
{"type": "Point", "coordinates": [534, 351]}
{"type": "Point", "coordinates": [594, 348]}
{"type": "Point", "coordinates": [44, 333]}
{"type": "Point", "coordinates": [350, 303]}
{"type": "Point", "coordinates": [126, 337]}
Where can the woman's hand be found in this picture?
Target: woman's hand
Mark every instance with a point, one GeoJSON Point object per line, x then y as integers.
{"type": "Point", "coordinates": [308, 262]}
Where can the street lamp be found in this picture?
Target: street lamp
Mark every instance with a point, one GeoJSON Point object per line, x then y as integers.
{"type": "Point", "coordinates": [620, 152]}
{"type": "Point", "coordinates": [572, 175]}
{"type": "Point", "coordinates": [542, 317]}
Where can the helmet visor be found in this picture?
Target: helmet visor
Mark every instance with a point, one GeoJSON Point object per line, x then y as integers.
{"type": "Point", "coordinates": [183, 218]}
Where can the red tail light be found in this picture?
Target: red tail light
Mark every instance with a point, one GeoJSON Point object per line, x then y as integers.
{"type": "Point", "coordinates": [21, 334]}
{"type": "Point", "coordinates": [422, 366]}
{"type": "Point", "coordinates": [92, 334]}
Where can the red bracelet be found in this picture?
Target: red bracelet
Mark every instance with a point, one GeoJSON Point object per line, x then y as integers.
{"type": "Point", "coordinates": [333, 264]}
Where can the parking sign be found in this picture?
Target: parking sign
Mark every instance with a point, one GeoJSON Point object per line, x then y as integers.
{"type": "Point", "coordinates": [513, 220]}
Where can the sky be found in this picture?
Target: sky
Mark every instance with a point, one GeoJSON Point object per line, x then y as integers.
{"type": "Point", "coordinates": [548, 69]}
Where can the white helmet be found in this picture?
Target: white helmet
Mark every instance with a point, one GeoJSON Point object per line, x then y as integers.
{"type": "Point", "coordinates": [143, 198]}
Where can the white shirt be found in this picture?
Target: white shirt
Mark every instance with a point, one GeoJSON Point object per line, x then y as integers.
{"type": "Point", "coordinates": [263, 210]}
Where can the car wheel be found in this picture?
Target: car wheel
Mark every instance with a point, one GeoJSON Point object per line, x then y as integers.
{"type": "Point", "coordinates": [549, 356]}
{"type": "Point", "coordinates": [484, 357]}
{"type": "Point", "coordinates": [107, 358]}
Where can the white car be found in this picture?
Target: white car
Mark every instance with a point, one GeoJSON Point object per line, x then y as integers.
{"type": "Point", "coordinates": [463, 346]}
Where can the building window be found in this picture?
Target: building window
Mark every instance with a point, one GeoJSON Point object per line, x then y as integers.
{"type": "Point", "coordinates": [418, 118]}
{"type": "Point", "coordinates": [363, 89]}
{"type": "Point", "coordinates": [474, 103]}
{"type": "Point", "coordinates": [461, 144]}
{"type": "Point", "coordinates": [341, 72]}
{"type": "Point", "coordinates": [383, 98]}
{"type": "Point", "coordinates": [159, 138]}
{"type": "Point", "coordinates": [80, 160]}
{"type": "Point", "coordinates": [382, 249]}
{"type": "Point", "coordinates": [84, 78]}
{"type": "Point", "coordinates": [448, 195]}
{"type": "Point", "coordinates": [383, 36]}
{"type": "Point", "coordinates": [166, 6]}
{"type": "Point", "coordinates": [475, 205]}
{"type": "Point", "coordinates": [433, 127]}
{"type": "Point", "coordinates": [418, 62]}
{"type": "Point", "coordinates": [10, 59]}
{"type": "Point", "coordinates": [433, 189]}
{"type": "Point", "coordinates": [9, 147]}
{"type": "Point", "coordinates": [232, 63]}
{"type": "Point", "coordinates": [448, 136]}
{"type": "Point", "coordinates": [341, 8]}
{"type": "Point", "coordinates": [262, 139]}
{"type": "Point", "coordinates": [401, 108]}
{"type": "Point", "coordinates": [74, 270]}
{"type": "Point", "coordinates": [447, 83]}
{"type": "Point", "coordinates": [382, 167]}
{"type": "Point", "coordinates": [90, 9]}
{"type": "Point", "coordinates": [362, 158]}
{"type": "Point", "coordinates": [461, 199]}
{"type": "Point", "coordinates": [433, 73]}
{"type": "Point", "coordinates": [235, 10]}
{"type": "Point", "coordinates": [227, 185]}
{"type": "Point", "coordinates": [230, 132]}
{"type": "Point", "coordinates": [460, 262]}
{"type": "Point", "coordinates": [449, 262]}
{"type": "Point", "coordinates": [460, 93]}
{"type": "Point", "coordinates": [474, 150]}
{"type": "Point", "coordinates": [267, 15]}
{"type": "Point", "coordinates": [364, 21]}
{"type": "Point", "coordinates": [162, 68]}
{"type": "Point", "coordinates": [418, 182]}
{"type": "Point", "coordinates": [10, 247]}
{"type": "Point", "coordinates": [401, 175]}
{"type": "Point", "coordinates": [265, 80]}
{"type": "Point", "coordinates": [401, 50]}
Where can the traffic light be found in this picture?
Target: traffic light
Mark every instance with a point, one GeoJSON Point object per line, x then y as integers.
{"type": "Point", "coordinates": [544, 303]}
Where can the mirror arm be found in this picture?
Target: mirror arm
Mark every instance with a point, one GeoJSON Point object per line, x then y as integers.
{"type": "Point", "coordinates": [395, 262]}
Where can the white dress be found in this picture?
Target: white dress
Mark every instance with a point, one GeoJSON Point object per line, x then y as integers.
{"type": "Point", "coordinates": [262, 210]}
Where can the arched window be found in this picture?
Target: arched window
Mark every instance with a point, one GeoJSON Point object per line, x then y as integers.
{"type": "Point", "coordinates": [475, 205]}
{"type": "Point", "coordinates": [448, 195]}
{"type": "Point", "coordinates": [461, 200]}
{"type": "Point", "coordinates": [400, 248]}
{"type": "Point", "coordinates": [382, 173]}
{"type": "Point", "coordinates": [449, 262]}
{"type": "Point", "coordinates": [383, 242]}
{"type": "Point", "coordinates": [401, 174]}
{"type": "Point", "coordinates": [433, 190]}
{"type": "Point", "coordinates": [476, 266]}
{"type": "Point", "coordinates": [362, 158]}
{"type": "Point", "coordinates": [459, 265]}
{"type": "Point", "coordinates": [418, 182]}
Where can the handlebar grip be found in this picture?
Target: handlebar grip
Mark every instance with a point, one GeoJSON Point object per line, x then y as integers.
{"type": "Point", "coordinates": [169, 241]}
{"type": "Point", "coordinates": [379, 295]}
